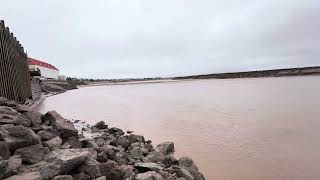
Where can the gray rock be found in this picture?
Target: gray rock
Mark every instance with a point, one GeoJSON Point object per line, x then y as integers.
{"type": "Point", "coordinates": [189, 165]}
{"type": "Point", "coordinates": [165, 148]}
{"type": "Point", "coordinates": [34, 117]}
{"type": "Point", "coordinates": [91, 168]}
{"type": "Point", "coordinates": [121, 158]}
{"type": "Point", "coordinates": [18, 136]}
{"type": "Point", "coordinates": [155, 157]}
{"type": "Point", "coordinates": [111, 170]}
{"type": "Point", "coordinates": [8, 110]}
{"type": "Point", "coordinates": [65, 128]}
{"type": "Point", "coordinates": [185, 174]}
{"type": "Point", "coordinates": [53, 143]}
{"type": "Point", "coordinates": [51, 170]}
{"type": "Point", "coordinates": [14, 163]}
{"type": "Point", "coordinates": [90, 144]}
{"type": "Point", "coordinates": [81, 176]}
{"type": "Point", "coordinates": [122, 141]}
{"type": "Point", "coordinates": [3, 168]}
{"type": "Point", "coordinates": [100, 142]}
{"type": "Point", "coordinates": [31, 154]}
{"type": "Point", "coordinates": [151, 175]}
{"type": "Point", "coordinates": [127, 171]}
{"type": "Point", "coordinates": [46, 135]}
{"type": "Point", "coordinates": [116, 131]}
{"type": "Point", "coordinates": [144, 167]}
{"type": "Point", "coordinates": [136, 138]}
{"type": "Point", "coordinates": [63, 177]}
{"type": "Point", "coordinates": [26, 176]}
{"type": "Point", "coordinates": [35, 167]}
{"type": "Point", "coordinates": [16, 120]}
{"type": "Point", "coordinates": [4, 150]}
{"type": "Point", "coordinates": [101, 125]}
{"type": "Point", "coordinates": [74, 142]}
{"type": "Point", "coordinates": [64, 161]}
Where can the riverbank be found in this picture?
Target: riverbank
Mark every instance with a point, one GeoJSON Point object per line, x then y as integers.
{"type": "Point", "coordinates": [36, 146]}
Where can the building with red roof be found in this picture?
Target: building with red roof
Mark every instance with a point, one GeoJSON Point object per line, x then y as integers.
{"type": "Point", "coordinates": [47, 70]}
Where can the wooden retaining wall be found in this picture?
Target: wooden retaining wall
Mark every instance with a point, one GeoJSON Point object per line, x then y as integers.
{"type": "Point", "coordinates": [14, 70]}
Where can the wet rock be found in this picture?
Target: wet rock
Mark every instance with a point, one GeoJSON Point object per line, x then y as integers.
{"type": "Point", "coordinates": [116, 131]}
{"type": "Point", "coordinates": [34, 117]}
{"type": "Point", "coordinates": [63, 177]}
{"type": "Point", "coordinates": [31, 154]}
{"type": "Point", "coordinates": [91, 168]}
{"type": "Point", "coordinates": [185, 174]}
{"type": "Point", "coordinates": [81, 176]}
{"type": "Point", "coordinates": [136, 138]}
{"type": "Point", "coordinates": [101, 125]}
{"type": "Point", "coordinates": [189, 165]}
{"type": "Point", "coordinates": [26, 176]}
{"type": "Point", "coordinates": [65, 128]}
{"type": "Point", "coordinates": [46, 135]}
{"type": "Point", "coordinates": [74, 142]}
{"type": "Point", "coordinates": [4, 150]}
{"type": "Point", "coordinates": [53, 143]}
{"type": "Point", "coordinates": [165, 148]}
{"type": "Point", "coordinates": [129, 132]}
{"type": "Point", "coordinates": [18, 136]}
{"type": "Point", "coordinates": [151, 175]}
{"type": "Point", "coordinates": [144, 167]}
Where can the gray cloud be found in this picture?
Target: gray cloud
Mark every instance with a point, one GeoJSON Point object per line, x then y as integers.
{"type": "Point", "coordinates": [143, 38]}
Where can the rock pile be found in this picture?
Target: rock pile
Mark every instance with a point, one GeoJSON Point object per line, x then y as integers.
{"type": "Point", "coordinates": [35, 146]}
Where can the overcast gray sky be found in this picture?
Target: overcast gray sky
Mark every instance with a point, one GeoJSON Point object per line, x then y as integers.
{"type": "Point", "coordinates": [145, 38]}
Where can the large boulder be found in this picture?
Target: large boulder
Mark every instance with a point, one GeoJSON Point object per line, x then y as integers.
{"type": "Point", "coordinates": [64, 161]}
{"type": "Point", "coordinates": [26, 176]}
{"type": "Point", "coordinates": [165, 148]}
{"type": "Point", "coordinates": [4, 150]}
{"type": "Point", "coordinates": [3, 168]}
{"type": "Point", "coordinates": [8, 110]}
{"type": "Point", "coordinates": [111, 170]}
{"type": "Point", "coordinates": [31, 154]}
{"type": "Point", "coordinates": [189, 165]}
{"type": "Point", "coordinates": [151, 175]}
{"type": "Point", "coordinates": [116, 131]}
{"type": "Point", "coordinates": [35, 117]}
{"type": "Point", "coordinates": [18, 136]}
{"type": "Point", "coordinates": [48, 134]}
{"type": "Point", "coordinates": [14, 119]}
{"type": "Point", "coordinates": [53, 143]}
{"type": "Point", "coordinates": [81, 176]}
{"type": "Point", "coordinates": [65, 128]}
{"type": "Point", "coordinates": [14, 163]}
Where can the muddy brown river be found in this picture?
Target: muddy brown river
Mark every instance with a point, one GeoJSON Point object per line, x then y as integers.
{"type": "Point", "coordinates": [234, 129]}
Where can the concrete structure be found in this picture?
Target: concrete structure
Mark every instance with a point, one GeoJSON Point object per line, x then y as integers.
{"type": "Point", "coordinates": [47, 70]}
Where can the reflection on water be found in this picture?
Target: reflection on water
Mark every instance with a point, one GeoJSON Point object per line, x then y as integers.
{"type": "Point", "coordinates": [238, 129]}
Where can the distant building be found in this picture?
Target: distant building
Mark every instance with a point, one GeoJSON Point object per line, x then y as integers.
{"type": "Point", "coordinates": [62, 78]}
{"type": "Point", "coordinates": [46, 70]}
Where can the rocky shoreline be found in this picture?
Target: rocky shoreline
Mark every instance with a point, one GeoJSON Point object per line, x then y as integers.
{"type": "Point", "coordinates": [34, 146]}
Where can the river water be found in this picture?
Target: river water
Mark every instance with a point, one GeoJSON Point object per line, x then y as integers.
{"type": "Point", "coordinates": [234, 129]}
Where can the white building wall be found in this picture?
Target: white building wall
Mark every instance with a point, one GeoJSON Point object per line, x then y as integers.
{"type": "Point", "coordinates": [47, 72]}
